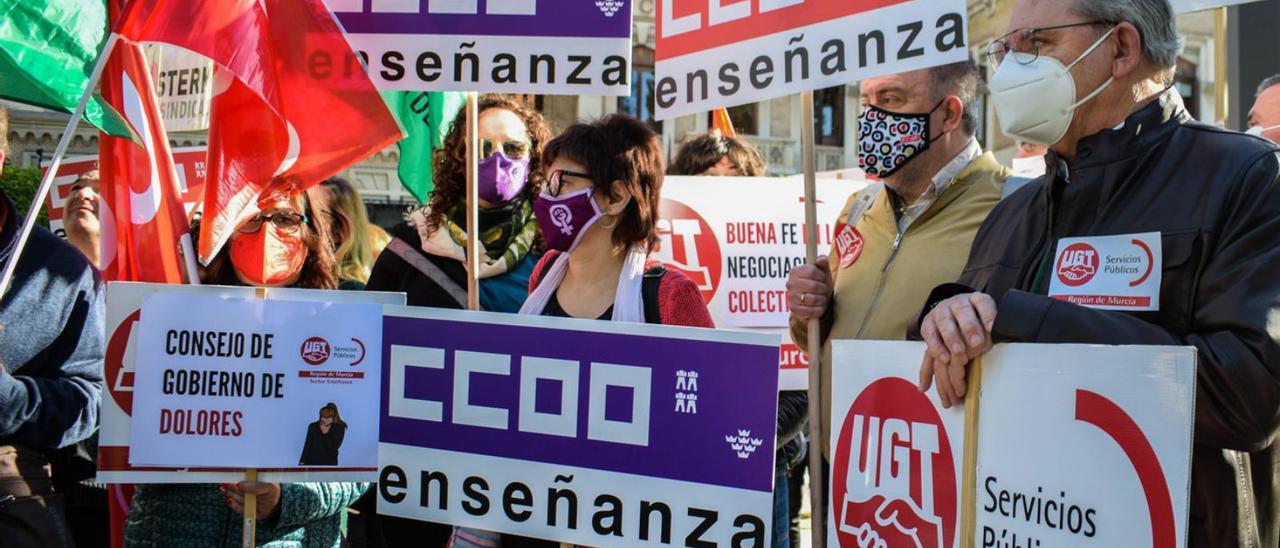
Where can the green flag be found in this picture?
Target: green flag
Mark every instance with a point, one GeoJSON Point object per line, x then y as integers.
{"type": "Point", "coordinates": [425, 117]}
{"type": "Point", "coordinates": [47, 52]}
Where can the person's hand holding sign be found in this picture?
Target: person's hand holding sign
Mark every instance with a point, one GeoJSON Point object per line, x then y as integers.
{"type": "Point", "coordinates": [268, 497]}
{"type": "Point", "coordinates": [956, 331]}
{"type": "Point", "coordinates": [809, 290]}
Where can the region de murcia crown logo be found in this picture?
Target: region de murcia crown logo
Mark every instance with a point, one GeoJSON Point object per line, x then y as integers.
{"type": "Point", "coordinates": [743, 444]}
{"type": "Point", "coordinates": [609, 7]}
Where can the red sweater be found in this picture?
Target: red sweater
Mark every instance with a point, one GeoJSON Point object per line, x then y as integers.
{"type": "Point", "coordinates": [679, 300]}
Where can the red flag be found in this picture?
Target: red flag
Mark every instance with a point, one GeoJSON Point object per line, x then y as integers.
{"type": "Point", "coordinates": [275, 126]}
{"type": "Point", "coordinates": [139, 184]}
{"type": "Point", "coordinates": [720, 121]}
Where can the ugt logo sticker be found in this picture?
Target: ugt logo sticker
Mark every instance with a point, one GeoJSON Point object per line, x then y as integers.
{"type": "Point", "coordinates": [315, 351]}
{"type": "Point", "coordinates": [893, 478]}
{"type": "Point", "coordinates": [1077, 264]}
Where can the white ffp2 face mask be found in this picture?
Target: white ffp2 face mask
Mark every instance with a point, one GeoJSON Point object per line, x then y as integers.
{"type": "Point", "coordinates": [1257, 131]}
{"type": "Point", "coordinates": [1036, 102]}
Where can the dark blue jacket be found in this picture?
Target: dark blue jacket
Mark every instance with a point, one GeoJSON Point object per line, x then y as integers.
{"type": "Point", "coordinates": [51, 343]}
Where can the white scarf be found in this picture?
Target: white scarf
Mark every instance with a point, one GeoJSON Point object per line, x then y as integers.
{"type": "Point", "coordinates": [628, 302]}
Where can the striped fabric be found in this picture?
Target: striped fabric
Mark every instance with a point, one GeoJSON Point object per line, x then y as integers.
{"type": "Point", "coordinates": [474, 538]}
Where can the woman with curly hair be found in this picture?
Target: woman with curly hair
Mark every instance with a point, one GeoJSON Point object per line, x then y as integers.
{"type": "Point", "coordinates": [427, 255]}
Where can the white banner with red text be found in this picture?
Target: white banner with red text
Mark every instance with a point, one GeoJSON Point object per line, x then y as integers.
{"type": "Point", "coordinates": [738, 238]}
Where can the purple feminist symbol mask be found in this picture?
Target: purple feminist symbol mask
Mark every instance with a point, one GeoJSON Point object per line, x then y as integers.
{"type": "Point", "coordinates": [565, 219]}
{"type": "Point", "coordinates": [501, 178]}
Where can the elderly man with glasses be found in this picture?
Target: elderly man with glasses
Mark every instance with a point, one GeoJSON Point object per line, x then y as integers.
{"type": "Point", "coordinates": [1092, 80]}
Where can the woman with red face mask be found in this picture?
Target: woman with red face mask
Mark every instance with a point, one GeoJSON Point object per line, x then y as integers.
{"type": "Point", "coordinates": [284, 245]}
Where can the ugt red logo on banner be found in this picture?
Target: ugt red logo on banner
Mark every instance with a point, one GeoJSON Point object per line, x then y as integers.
{"type": "Point", "coordinates": [315, 351]}
{"type": "Point", "coordinates": [893, 477]}
{"type": "Point", "coordinates": [1077, 264]}
{"type": "Point", "coordinates": [689, 245]}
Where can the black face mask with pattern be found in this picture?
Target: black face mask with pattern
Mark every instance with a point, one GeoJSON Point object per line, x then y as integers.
{"type": "Point", "coordinates": [889, 140]}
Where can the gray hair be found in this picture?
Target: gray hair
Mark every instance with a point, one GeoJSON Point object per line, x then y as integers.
{"type": "Point", "coordinates": [1154, 20]}
{"type": "Point", "coordinates": [962, 80]}
{"type": "Point", "coordinates": [1267, 84]}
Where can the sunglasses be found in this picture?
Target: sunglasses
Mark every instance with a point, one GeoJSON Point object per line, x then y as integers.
{"type": "Point", "coordinates": [515, 149]}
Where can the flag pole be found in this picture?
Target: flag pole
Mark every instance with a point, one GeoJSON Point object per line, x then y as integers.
{"type": "Point", "coordinates": [817, 480]}
{"type": "Point", "coordinates": [46, 182]}
{"type": "Point", "coordinates": [1222, 103]}
{"type": "Point", "coordinates": [473, 201]}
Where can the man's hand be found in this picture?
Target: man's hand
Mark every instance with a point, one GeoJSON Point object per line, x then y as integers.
{"type": "Point", "coordinates": [956, 331]}
{"type": "Point", "coordinates": [809, 290]}
{"type": "Point", "coordinates": [268, 497]}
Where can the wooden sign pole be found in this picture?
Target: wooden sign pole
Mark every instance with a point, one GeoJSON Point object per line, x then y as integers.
{"type": "Point", "coordinates": [969, 485]}
{"type": "Point", "coordinates": [473, 201]}
{"type": "Point", "coordinates": [250, 529]}
{"type": "Point", "coordinates": [250, 512]}
{"type": "Point", "coordinates": [817, 479]}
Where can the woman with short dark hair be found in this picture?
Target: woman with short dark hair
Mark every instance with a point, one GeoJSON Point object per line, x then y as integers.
{"type": "Point", "coordinates": [599, 214]}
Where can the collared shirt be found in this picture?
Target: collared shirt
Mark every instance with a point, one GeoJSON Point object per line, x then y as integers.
{"type": "Point", "coordinates": [941, 181]}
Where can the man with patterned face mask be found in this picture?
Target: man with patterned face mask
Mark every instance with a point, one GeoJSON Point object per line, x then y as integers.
{"type": "Point", "coordinates": [1193, 209]}
{"type": "Point", "coordinates": [895, 241]}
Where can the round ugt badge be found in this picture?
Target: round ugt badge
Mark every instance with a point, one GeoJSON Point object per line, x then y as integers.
{"type": "Point", "coordinates": [893, 478]}
{"type": "Point", "coordinates": [849, 244]}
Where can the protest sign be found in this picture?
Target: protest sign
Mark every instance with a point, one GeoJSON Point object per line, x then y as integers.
{"type": "Point", "coordinates": [1188, 6]}
{"type": "Point", "coordinates": [1076, 444]}
{"type": "Point", "coordinates": [124, 304]}
{"type": "Point", "coordinates": [511, 46]}
{"type": "Point", "coordinates": [189, 162]}
{"type": "Point", "coordinates": [183, 87]}
{"type": "Point", "coordinates": [712, 54]}
{"type": "Point", "coordinates": [737, 240]}
{"type": "Point", "coordinates": [244, 383]}
{"type": "Point", "coordinates": [588, 432]}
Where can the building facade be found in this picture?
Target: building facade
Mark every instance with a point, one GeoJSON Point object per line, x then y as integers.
{"type": "Point", "coordinates": [772, 126]}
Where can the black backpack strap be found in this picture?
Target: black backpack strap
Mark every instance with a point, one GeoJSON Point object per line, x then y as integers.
{"type": "Point", "coordinates": [650, 287]}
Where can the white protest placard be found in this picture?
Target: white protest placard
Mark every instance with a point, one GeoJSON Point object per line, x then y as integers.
{"type": "Point", "coordinates": [716, 54]}
{"type": "Point", "coordinates": [1188, 6]}
{"type": "Point", "coordinates": [1092, 442]}
{"type": "Point", "coordinates": [124, 309]}
{"type": "Point", "coordinates": [183, 87]}
{"type": "Point", "coordinates": [738, 238]}
{"type": "Point", "coordinates": [252, 383]}
{"type": "Point", "coordinates": [1076, 445]}
{"type": "Point", "coordinates": [589, 432]}
{"type": "Point", "coordinates": [506, 46]}
{"type": "Point", "coordinates": [1109, 272]}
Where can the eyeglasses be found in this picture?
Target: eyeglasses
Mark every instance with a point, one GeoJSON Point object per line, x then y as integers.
{"type": "Point", "coordinates": [286, 222]}
{"type": "Point", "coordinates": [1029, 44]}
{"type": "Point", "coordinates": [555, 181]}
{"type": "Point", "coordinates": [516, 149]}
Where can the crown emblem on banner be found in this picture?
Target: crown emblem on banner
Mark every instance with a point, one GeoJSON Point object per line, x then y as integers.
{"type": "Point", "coordinates": [743, 444]}
{"type": "Point", "coordinates": [609, 7]}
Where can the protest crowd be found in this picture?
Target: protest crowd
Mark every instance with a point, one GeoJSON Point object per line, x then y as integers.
{"type": "Point", "coordinates": [942, 249]}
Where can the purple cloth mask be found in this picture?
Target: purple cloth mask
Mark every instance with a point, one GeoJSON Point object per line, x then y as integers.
{"type": "Point", "coordinates": [565, 219]}
{"type": "Point", "coordinates": [501, 178]}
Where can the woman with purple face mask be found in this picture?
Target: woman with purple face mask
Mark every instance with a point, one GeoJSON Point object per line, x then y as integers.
{"type": "Point", "coordinates": [427, 255]}
{"type": "Point", "coordinates": [598, 213]}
